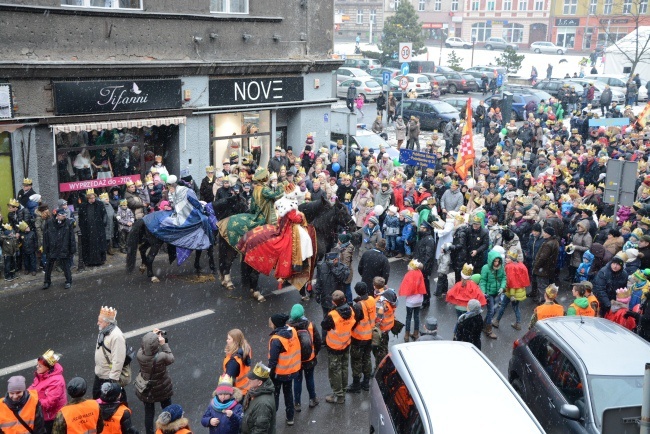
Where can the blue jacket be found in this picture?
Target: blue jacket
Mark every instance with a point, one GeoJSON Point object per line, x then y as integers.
{"type": "Point", "coordinates": [408, 232]}
{"type": "Point", "coordinates": [226, 425]}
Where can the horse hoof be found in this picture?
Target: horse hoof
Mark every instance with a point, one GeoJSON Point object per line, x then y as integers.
{"type": "Point", "coordinates": [261, 298]}
{"type": "Point", "coordinates": [154, 279]}
{"type": "Point", "coordinates": [143, 268]}
{"type": "Point", "coordinates": [230, 286]}
{"type": "Point", "coordinates": [255, 294]}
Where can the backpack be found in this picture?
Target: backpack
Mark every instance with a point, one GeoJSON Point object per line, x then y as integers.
{"type": "Point", "coordinates": [306, 344]}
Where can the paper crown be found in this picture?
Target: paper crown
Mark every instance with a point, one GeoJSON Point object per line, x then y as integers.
{"type": "Point", "coordinates": [108, 312]}
{"type": "Point", "coordinates": [50, 358]}
{"type": "Point", "coordinates": [637, 205]}
{"type": "Point", "coordinates": [260, 371]}
{"type": "Point", "coordinates": [623, 293]}
{"type": "Point", "coordinates": [627, 225]}
{"type": "Point", "coordinates": [225, 178]}
{"type": "Point", "coordinates": [454, 183]}
{"type": "Point", "coordinates": [224, 385]}
{"type": "Point", "coordinates": [209, 169]}
{"type": "Point", "coordinates": [370, 203]}
{"type": "Point", "coordinates": [103, 196]}
{"type": "Point", "coordinates": [512, 254]}
{"type": "Point", "coordinates": [22, 226]}
{"type": "Point", "coordinates": [415, 265]}
{"type": "Point", "coordinates": [347, 197]}
{"type": "Point", "coordinates": [553, 207]}
{"type": "Point", "coordinates": [13, 202]}
{"type": "Point", "coordinates": [90, 192]}
{"type": "Point", "coordinates": [138, 183]}
{"type": "Point", "coordinates": [123, 202]}
{"type": "Point", "coordinates": [274, 176]}
{"type": "Point", "coordinates": [551, 291]}
{"type": "Point", "coordinates": [364, 184]}
{"type": "Point", "coordinates": [467, 271]}
{"type": "Point", "coordinates": [645, 220]}
{"type": "Point", "coordinates": [27, 181]}
{"type": "Point", "coordinates": [605, 218]}
{"type": "Point", "coordinates": [129, 183]}
{"type": "Point", "coordinates": [590, 187]}
{"type": "Point", "coordinates": [8, 227]}
{"type": "Point", "coordinates": [589, 207]}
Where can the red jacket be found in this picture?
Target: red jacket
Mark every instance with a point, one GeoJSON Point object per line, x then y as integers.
{"type": "Point", "coordinates": [412, 284]}
{"type": "Point", "coordinates": [618, 318]}
{"type": "Point", "coordinates": [398, 193]}
{"type": "Point", "coordinates": [419, 197]}
{"type": "Point", "coordinates": [50, 387]}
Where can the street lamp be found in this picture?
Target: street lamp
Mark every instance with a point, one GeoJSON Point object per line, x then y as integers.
{"type": "Point", "coordinates": [473, 43]}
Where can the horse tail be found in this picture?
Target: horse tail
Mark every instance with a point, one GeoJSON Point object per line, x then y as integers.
{"type": "Point", "coordinates": [132, 242]}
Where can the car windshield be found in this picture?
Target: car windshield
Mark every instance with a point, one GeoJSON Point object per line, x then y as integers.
{"type": "Point", "coordinates": [468, 77]}
{"type": "Point", "coordinates": [369, 140]}
{"type": "Point", "coordinates": [444, 108]}
{"type": "Point", "coordinates": [372, 83]}
{"type": "Point", "coordinates": [610, 392]}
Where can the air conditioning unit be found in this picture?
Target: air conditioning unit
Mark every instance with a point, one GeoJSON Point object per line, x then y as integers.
{"type": "Point", "coordinates": [6, 102]}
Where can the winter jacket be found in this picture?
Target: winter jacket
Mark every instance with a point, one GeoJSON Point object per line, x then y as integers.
{"type": "Point", "coordinates": [514, 245]}
{"type": "Point", "coordinates": [469, 329]}
{"type": "Point", "coordinates": [642, 319]}
{"type": "Point", "coordinates": [226, 425]}
{"type": "Point", "coordinates": [109, 224]}
{"type": "Point", "coordinates": [400, 130]}
{"type": "Point", "coordinates": [477, 240]}
{"type": "Point", "coordinates": [30, 242]}
{"type": "Point", "coordinates": [384, 198]}
{"type": "Point", "coordinates": [581, 302]}
{"type": "Point", "coordinates": [606, 97]}
{"type": "Point", "coordinates": [345, 258]}
{"type": "Point", "coordinates": [614, 244]}
{"type": "Point", "coordinates": [124, 216]}
{"type": "Point", "coordinates": [522, 229]}
{"type": "Point", "coordinates": [458, 251]}
{"type": "Point", "coordinates": [276, 348]}
{"type": "Point", "coordinates": [108, 409]}
{"type": "Point", "coordinates": [51, 388]}
{"type": "Point", "coordinates": [425, 252]}
{"type": "Point", "coordinates": [113, 348]}
{"type": "Point", "coordinates": [151, 351]}
{"type": "Point", "coordinates": [546, 259]}
{"type": "Point", "coordinates": [373, 263]}
{"type": "Point", "coordinates": [369, 238]}
{"type": "Point", "coordinates": [17, 407]}
{"type": "Point", "coordinates": [329, 278]}
{"type": "Point", "coordinates": [582, 242]}
{"type": "Point", "coordinates": [317, 342]}
{"type": "Point", "coordinates": [135, 204]}
{"type": "Point", "coordinates": [259, 410]}
{"type": "Point", "coordinates": [59, 241]}
{"type": "Point", "coordinates": [39, 224]}
{"type": "Point", "coordinates": [606, 283]}
{"type": "Point", "coordinates": [492, 281]}
{"type": "Point", "coordinates": [516, 280]}
{"type": "Point", "coordinates": [451, 200]}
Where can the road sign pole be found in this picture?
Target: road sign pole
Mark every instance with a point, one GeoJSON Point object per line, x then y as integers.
{"type": "Point", "coordinates": [401, 106]}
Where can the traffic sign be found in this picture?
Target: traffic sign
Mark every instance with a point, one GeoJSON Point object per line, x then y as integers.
{"type": "Point", "coordinates": [405, 51]}
{"type": "Point", "coordinates": [403, 83]}
{"type": "Point", "coordinates": [404, 69]}
{"type": "Point", "coordinates": [386, 77]}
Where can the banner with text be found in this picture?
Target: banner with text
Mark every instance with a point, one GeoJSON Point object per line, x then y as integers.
{"type": "Point", "coordinates": [417, 158]}
{"type": "Point", "coordinates": [97, 183]}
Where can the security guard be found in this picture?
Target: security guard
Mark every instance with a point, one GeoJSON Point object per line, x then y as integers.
{"type": "Point", "coordinates": [115, 414]}
{"type": "Point", "coordinates": [284, 361]}
{"type": "Point", "coordinates": [337, 327]}
{"type": "Point", "coordinates": [549, 309]}
{"type": "Point", "coordinates": [79, 415]}
{"type": "Point", "coordinates": [20, 411]}
{"type": "Point", "coordinates": [365, 312]}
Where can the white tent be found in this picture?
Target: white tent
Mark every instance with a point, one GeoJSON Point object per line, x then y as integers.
{"type": "Point", "coordinates": [616, 62]}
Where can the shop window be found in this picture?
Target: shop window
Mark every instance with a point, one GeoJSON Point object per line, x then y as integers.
{"type": "Point", "coordinates": [481, 31]}
{"type": "Point", "coordinates": [106, 4]}
{"type": "Point", "coordinates": [513, 32]}
{"type": "Point", "coordinates": [109, 157]}
{"type": "Point", "coordinates": [243, 134]}
{"type": "Point", "coordinates": [229, 6]}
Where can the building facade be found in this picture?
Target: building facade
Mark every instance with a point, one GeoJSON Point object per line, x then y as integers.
{"type": "Point", "coordinates": [519, 21]}
{"type": "Point", "coordinates": [584, 25]}
{"type": "Point", "coordinates": [97, 88]}
{"type": "Point", "coordinates": [440, 18]}
{"type": "Point", "coordinates": [362, 18]}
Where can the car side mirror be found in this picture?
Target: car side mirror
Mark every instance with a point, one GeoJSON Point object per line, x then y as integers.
{"type": "Point", "coordinates": [570, 411]}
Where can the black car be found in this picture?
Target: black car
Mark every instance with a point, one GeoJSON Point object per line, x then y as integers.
{"type": "Point", "coordinates": [433, 114]}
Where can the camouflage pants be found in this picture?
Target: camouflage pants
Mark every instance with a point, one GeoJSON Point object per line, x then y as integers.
{"type": "Point", "coordinates": [337, 370]}
{"type": "Point", "coordinates": [380, 351]}
{"type": "Point", "coordinates": [360, 360]}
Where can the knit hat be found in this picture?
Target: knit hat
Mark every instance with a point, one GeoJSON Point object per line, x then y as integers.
{"type": "Point", "coordinates": [640, 275]}
{"type": "Point", "coordinates": [76, 387]}
{"type": "Point", "coordinates": [279, 319]}
{"type": "Point", "coordinates": [110, 392]}
{"type": "Point", "coordinates": [467, 271]}
{"type": "Point", "coordinates": [225, 385]}
{"type": "Point", "coordinates": [476, 278]}
{"type": "Point", "coordinates": [16, 384]}
{"type": "Point", "coordinates": [618, 260]}
{"type": "Point", "coordinates": [431, 324]}
{"type": "Point", "coordinates": [374, 220]}
{"type": "Point", "coordinates": [623, 295]}
{"type": "Point", "coordinates": [549, 230]}
{"type": "Point", "coordinates": [361, 288]}
{"type": "Point", "coordinates": [415, 265]}
{"type": "Point", "coordinates": [297, 312]}
{"type": "Point", "coordinates": [393, 209]}
{"type": "Point", "coordinates": [537, 227]}
{"type": "Point", "coordinates": [170, 414]}
{"type": "Point", "coordinates": [551, 291]}
{"type": "Point", "coordinates": [61, 202]}
{"type": "Point", "coordinates": [344, 238]}
{"type": "Point", "coordinates": [473, 305]}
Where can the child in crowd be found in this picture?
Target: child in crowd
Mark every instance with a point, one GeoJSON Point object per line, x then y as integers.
{"type": "Point", "coordinates": [359, 103]}
{"type": "Point", "coordinates": [517, 280]}
{"type": "Point", "coordinates": [224, 413]}
{"type": "Point", "coordinates": [583, 269]}
{"type": "Point", "coordinates": [413, 289]}
{"type": "Point", "coordinates": [29, 247]}
{"type": "Point", "coordinates": [391, 230]}
{"type": "Point", "coordinates": [408, 231]}
{"type": "Point", "coordinates": [9, 251]}
{"type": "Point", "coordinates": [125, 219]}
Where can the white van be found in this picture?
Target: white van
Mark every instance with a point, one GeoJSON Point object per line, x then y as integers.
{"type": "Point", "coordinates": [445, 387]}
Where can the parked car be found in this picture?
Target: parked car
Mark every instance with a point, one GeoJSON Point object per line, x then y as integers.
{"type": "Point", "coordinates": [365, 64]}
{"type": "Point", "coordinates": [345, 73]}
{"type": "Point", "coordinates": [519, 101]}
{"type": "Point", "coordinates": [478, 71]}
{"type": "Point", "coordinates": [618, 96]}
{"type": "Point", "coordinates": [423, 388]}
{"type": "Point", "coordinates": [459, 102]}
{"type": "Point", "coordinates": [367, 87]}
{"type": "Point", "coordinates": [499, 44]}
{"type": "Point", "coordinates": [378, 73]}
{"type": "Point", "coordinates": [440, 80]}
{"type": "Point", "coordinates": [563, 370]}
{"type": "Point", "coordinates": [554, 85]}
{"type": "Point", "coordinates": [524, 89]}
{"type": "Point", "coordinates": [547, 47]}
{"type": "Point", "coordinates": [620, 81]}
{"type": "Point", "coordinates": [433, 114]}
{"type": "Point", "coordinates": [364, 138]}
{"type": "Point", "coordinates": [460, 83]}
{"type": "Point", "coordinates": [416, 66]}
{"type": "Point", "coordinates": [471, 77]}
{"type": "Point", "coordinates": [457, 43]}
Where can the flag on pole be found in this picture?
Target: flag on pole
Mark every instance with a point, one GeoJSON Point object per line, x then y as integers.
{"type": "Point", "coordinates": [642, 119]}
{"type": "Point", "coordinates": [466, 154]}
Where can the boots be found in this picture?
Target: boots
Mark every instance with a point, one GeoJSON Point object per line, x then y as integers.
{"type": "Point", "coordinates": [516, 326]}
{"type": "Point", "coordinates": [406, 336]}
{"type": "Point", "coordinates": [365, 383]}
{"type": "Point", "coordinates": [415, 335]}
{"type": "Point", "coordinates": [109, 249]}
{"type": "Point", "coordinates": [355, 387]}
{"type": "Point", "coordinates": [495, 323]}
{"type": "Point", "coordinates": [489, 333]}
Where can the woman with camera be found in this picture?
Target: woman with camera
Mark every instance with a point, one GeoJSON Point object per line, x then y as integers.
{"type": "Point", "coordinates": [153, 383]}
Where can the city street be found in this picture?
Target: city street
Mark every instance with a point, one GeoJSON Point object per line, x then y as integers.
{"type": "Point", "coordinates": [197, 317]}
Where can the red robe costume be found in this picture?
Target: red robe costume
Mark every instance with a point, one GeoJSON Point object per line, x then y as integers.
{"type": "Point", "coordinates": [460, 294]}
{"type": "Point", "coordinates": [412, 284]}
{"type": "Point", "coordinates": [617, 314]}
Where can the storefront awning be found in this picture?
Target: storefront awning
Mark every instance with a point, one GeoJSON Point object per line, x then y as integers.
{"type": "Point", "coordinates": [110, 125]}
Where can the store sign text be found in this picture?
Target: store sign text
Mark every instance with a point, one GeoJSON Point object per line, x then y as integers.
{"type": "Point", "coordinates": [97, 183]}
{"type": "Point", "coordinates": [255, 91]}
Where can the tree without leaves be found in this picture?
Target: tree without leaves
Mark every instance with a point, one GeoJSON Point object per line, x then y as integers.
{"type": "Point", "coordinates": [404, 26]}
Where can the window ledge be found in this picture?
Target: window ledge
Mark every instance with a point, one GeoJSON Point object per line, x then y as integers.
{"type": "Point", "coordinates": [136, 13]}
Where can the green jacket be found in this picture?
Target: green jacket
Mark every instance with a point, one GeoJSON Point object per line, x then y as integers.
{"type": "Point", "coordinates": [492, 281]}
{"type": "Point", "coordinates": [581, 302]}
{"type": "Point", "coordinates": [259, 410]}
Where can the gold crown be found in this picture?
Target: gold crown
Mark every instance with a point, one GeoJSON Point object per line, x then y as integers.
{"type": "Point", "coordinates": [153, 170]}
{"type": "Point", "coordinates": [90, 192]}
{"type": "Point", "coordinates": [209, 169]}
{"type": "Point", "coordinates": [364, 184]}
{"type": "Point", "coordinates": [261, 371]}
{"type": "Point", "coordinates": [8, 227]}
{"type": "Point", "coordinates": [50, 357]}
{"type": "Point", "coordinates": [607, 219]}
{"type": "Point", "coordinates": [440, 176]}
{"type": "Point", "coordinates": [601, 185]}
{"type": "Point", "coordinates": [590, 187]}
{"type": "Point", "coordinates": [138, 183]}
{"type": "Point", "coordinates": [645, 220]}
{"type": "Point", "coordinates": [553, 207]}
{"type": "Point", "coordinates": [234, 155]}
{"type": "Point", "coordinates": [551, 291]}
{"type": "Point", "coordinates": [468, 270]}
{"type": "Point", "coordinates": [148, 179]}
{"type": "Point", "coordinates": [13, 202]}
{"type": "Point", "coordinates": [22, 226]}
{"type": "Point", "coordinates": [370, 203]}
{"type": "Point", "coordinates": [103, 196]}
{"type": "Point", "coordinates": [627, 225]}
{"type": "Point", "coordinates": [573, 191]}
{"type": "Point", "coordinates": [124, 202]}
{"type": "Point", "coordinates": [108, 313]}
{"type": "Point", "coordinates": [27, 181]}
{"type": "Point", "coordinates": [348, 196]}
{"type": "Point", "coordinates": [129, 183]}
{"type": "Point", "coordinates": [454, 183]}
{"type": "Point", "coordinates": [283, 168]}
{"type": "Point", "coordinates": [623, 293]}
{"type": "Point", "coordinates": [225, 379]}
{"type": "Point", "coordinates": [494, 168]}
{"type": "Point", "coordinates": [637, 205]}
{"type": "Point", "coordinates": [225, 178]}
{"type": "Point", "coordinates": [591, 207]}
{"type": "Point", "coordinates": [512, 254]}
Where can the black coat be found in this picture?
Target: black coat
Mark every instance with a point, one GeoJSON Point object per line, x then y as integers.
{"type": "Point", "coordinates": [30, 242]}
{"type": "Point", "coordinates": [373, 263]}
{"type": "Point", "coordinates": [479, 241]}
{"type": "Point", "coordinates": [92, 219]}
{"type": "Point", "coordinates": [425, 252]}
{"type": "Point", "coordinates": [23, 196]}
{"type": "Point", "coordinates": [606, 283]}
{"type": "Point", "coordinates": [58, 239]}
{"type": "Point", "coordinates": [329, 278]}
{"type": "Point", "coordinates": [458, 251]}
{"type": "Point", "coordinates": [470, 330]}
{"type": "Point", "coordinates": [205, 191]}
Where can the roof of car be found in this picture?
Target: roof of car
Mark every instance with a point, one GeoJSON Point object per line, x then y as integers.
{"type": "Point", "coordinates": [454, 378]}
{"type": "Point", "coordinates": [595, 340]}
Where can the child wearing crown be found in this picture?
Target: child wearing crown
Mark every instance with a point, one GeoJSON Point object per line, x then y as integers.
{"type": "Point", "coordinates": [224, 413]}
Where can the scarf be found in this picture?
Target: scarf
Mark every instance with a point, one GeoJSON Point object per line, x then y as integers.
{"type": "Point", "coordinates": [369, 231]}
{"type": "Point", "coordinates": [103, 333]}
{"type": "Point", "coordinates": [222, 406]}
{"type": "Point", "coordinates": [468, 315]}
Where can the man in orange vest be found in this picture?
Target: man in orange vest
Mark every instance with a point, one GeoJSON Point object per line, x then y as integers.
{"type": "Point", "coordinates": [386, 301]}
{"type": "Point", "coordinates": [549, 309]}
{"type": "Point", "coordinates": [20, 409]}
{"type": "Point", "coordinates": [284, 361]}
{"type": "Point", "coordinates": [115, 414]}
{"type": "Point", "coordinates": [364, 311]}
{"type": "Point", "coordinates": [79, 415]}
{"type": "Point", "coordinates": [337, 327]}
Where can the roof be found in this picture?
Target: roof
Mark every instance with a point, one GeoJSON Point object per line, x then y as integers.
{"type": "Point", "coordinates": [456, 380]}
{"type": "Point", "coordinates": [595, 340]}
{"type": "Point", "coordinates": [629, 41]}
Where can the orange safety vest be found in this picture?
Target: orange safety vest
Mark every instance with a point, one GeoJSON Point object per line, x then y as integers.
{"type": "Point", "coordinates": [340, 336]}
{"type": "Point", "coordinates": [9, 423]}
{"type": "Point", "coordinates": [310, 329]}
{"type": "Point", "coordinates": [113, 425]}
{"type": "Point", "coordinates": [388, 319]}
{"type": "Point", "coordinates": [362, 331]}
{"type": "Point", "coordinates": [588, 311]}
{"type": "Point", "coordinates": [180, 431]}
{"type": "Point", "coordinates": [289, 361]}
{"type": "Point", "coordinates": [241, 382]}
{"type": "Point", "coordinates": [592, 299]}
{"type": "Point", "coordinates": [548, 311]}
{"type": "Point", "coordinates": [81, 418]}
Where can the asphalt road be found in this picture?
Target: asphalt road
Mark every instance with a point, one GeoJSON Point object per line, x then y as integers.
{"type": "Point", "coordinates": [35, 320]}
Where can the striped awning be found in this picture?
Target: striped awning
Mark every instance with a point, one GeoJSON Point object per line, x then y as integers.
{"type": "Point", "coordinates": [110, 125]}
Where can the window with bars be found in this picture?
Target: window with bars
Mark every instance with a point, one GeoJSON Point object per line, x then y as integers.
{"type": "Point", "coordinates": [359, 16]}
{"type": "Point", "coordinates": [570, 7]}
{"type": "Point", "coordinates": [607, 9]}
{"type": "Point", "coordinates": [107, 4]}
{"type": "Point", "coordinates": [229, 6]}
